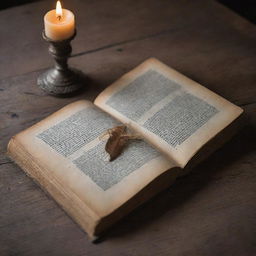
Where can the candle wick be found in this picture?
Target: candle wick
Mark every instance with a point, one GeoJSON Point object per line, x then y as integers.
{"type": "Point", "coordinates": [59, 17]}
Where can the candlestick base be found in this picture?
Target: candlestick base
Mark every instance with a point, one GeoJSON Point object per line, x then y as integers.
{"type": "Point", "coordinates": [61, 80]}
{"type": "Point", "coordinates": [61, 83]}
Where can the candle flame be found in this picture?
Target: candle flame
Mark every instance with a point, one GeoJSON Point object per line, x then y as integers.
{"type": "Point", "coordinates": [58, 10]}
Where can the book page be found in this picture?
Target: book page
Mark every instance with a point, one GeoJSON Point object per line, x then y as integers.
{"type": "Point", "coordinates": [174, 113]}
{"type": "Point", "coordinates": [68, 146]}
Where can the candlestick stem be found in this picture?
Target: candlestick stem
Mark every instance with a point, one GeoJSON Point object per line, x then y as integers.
{"type": "Point", "coordinates": [61, 80]}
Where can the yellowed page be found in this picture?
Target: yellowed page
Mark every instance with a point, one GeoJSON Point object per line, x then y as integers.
{"type": "Point", "coordinates": [67, 145]}
{"type": "Point", "coordinates": [174, 113]}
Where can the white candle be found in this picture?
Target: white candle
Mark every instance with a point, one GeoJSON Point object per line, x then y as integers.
{"type": "Point", "coordinates": [59, 24]}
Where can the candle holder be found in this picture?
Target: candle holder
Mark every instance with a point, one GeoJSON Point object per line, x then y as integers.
{"type": "Point", "coordinates": [61, 80]}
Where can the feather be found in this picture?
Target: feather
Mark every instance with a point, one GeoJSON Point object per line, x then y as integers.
{"type": "Point", "coordinates": [117, 140]}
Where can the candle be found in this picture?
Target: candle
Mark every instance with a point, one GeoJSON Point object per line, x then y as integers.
{"type": "Point", "coordinates": [59, 24]}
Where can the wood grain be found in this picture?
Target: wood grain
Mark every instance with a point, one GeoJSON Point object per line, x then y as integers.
{"type": "Point", "coordinates": [209, 212]}
{"type": "Point", "coordinates": [106, 23]}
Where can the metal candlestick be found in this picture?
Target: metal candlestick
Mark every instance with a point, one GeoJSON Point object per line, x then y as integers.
{"type": "Point", "coordinates": [61, 80]}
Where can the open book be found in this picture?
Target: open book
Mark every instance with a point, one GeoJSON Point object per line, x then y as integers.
{"type": "Point", "coordinates": [179, 120]}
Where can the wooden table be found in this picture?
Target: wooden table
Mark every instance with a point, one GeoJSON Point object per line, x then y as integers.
{"type": "Point", "coordinates": [209, 212]}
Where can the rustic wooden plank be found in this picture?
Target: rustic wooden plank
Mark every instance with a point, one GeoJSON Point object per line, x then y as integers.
{"type": "Point", "coordinates": [225, 66]}
{"type": "Point", "coordinates": [109, 22]}
{"type": "Point", "coordinates": [206, 213]}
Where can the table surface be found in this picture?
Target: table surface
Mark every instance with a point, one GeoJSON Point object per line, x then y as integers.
{"type": "Point", "coordinates": [209, 212]}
